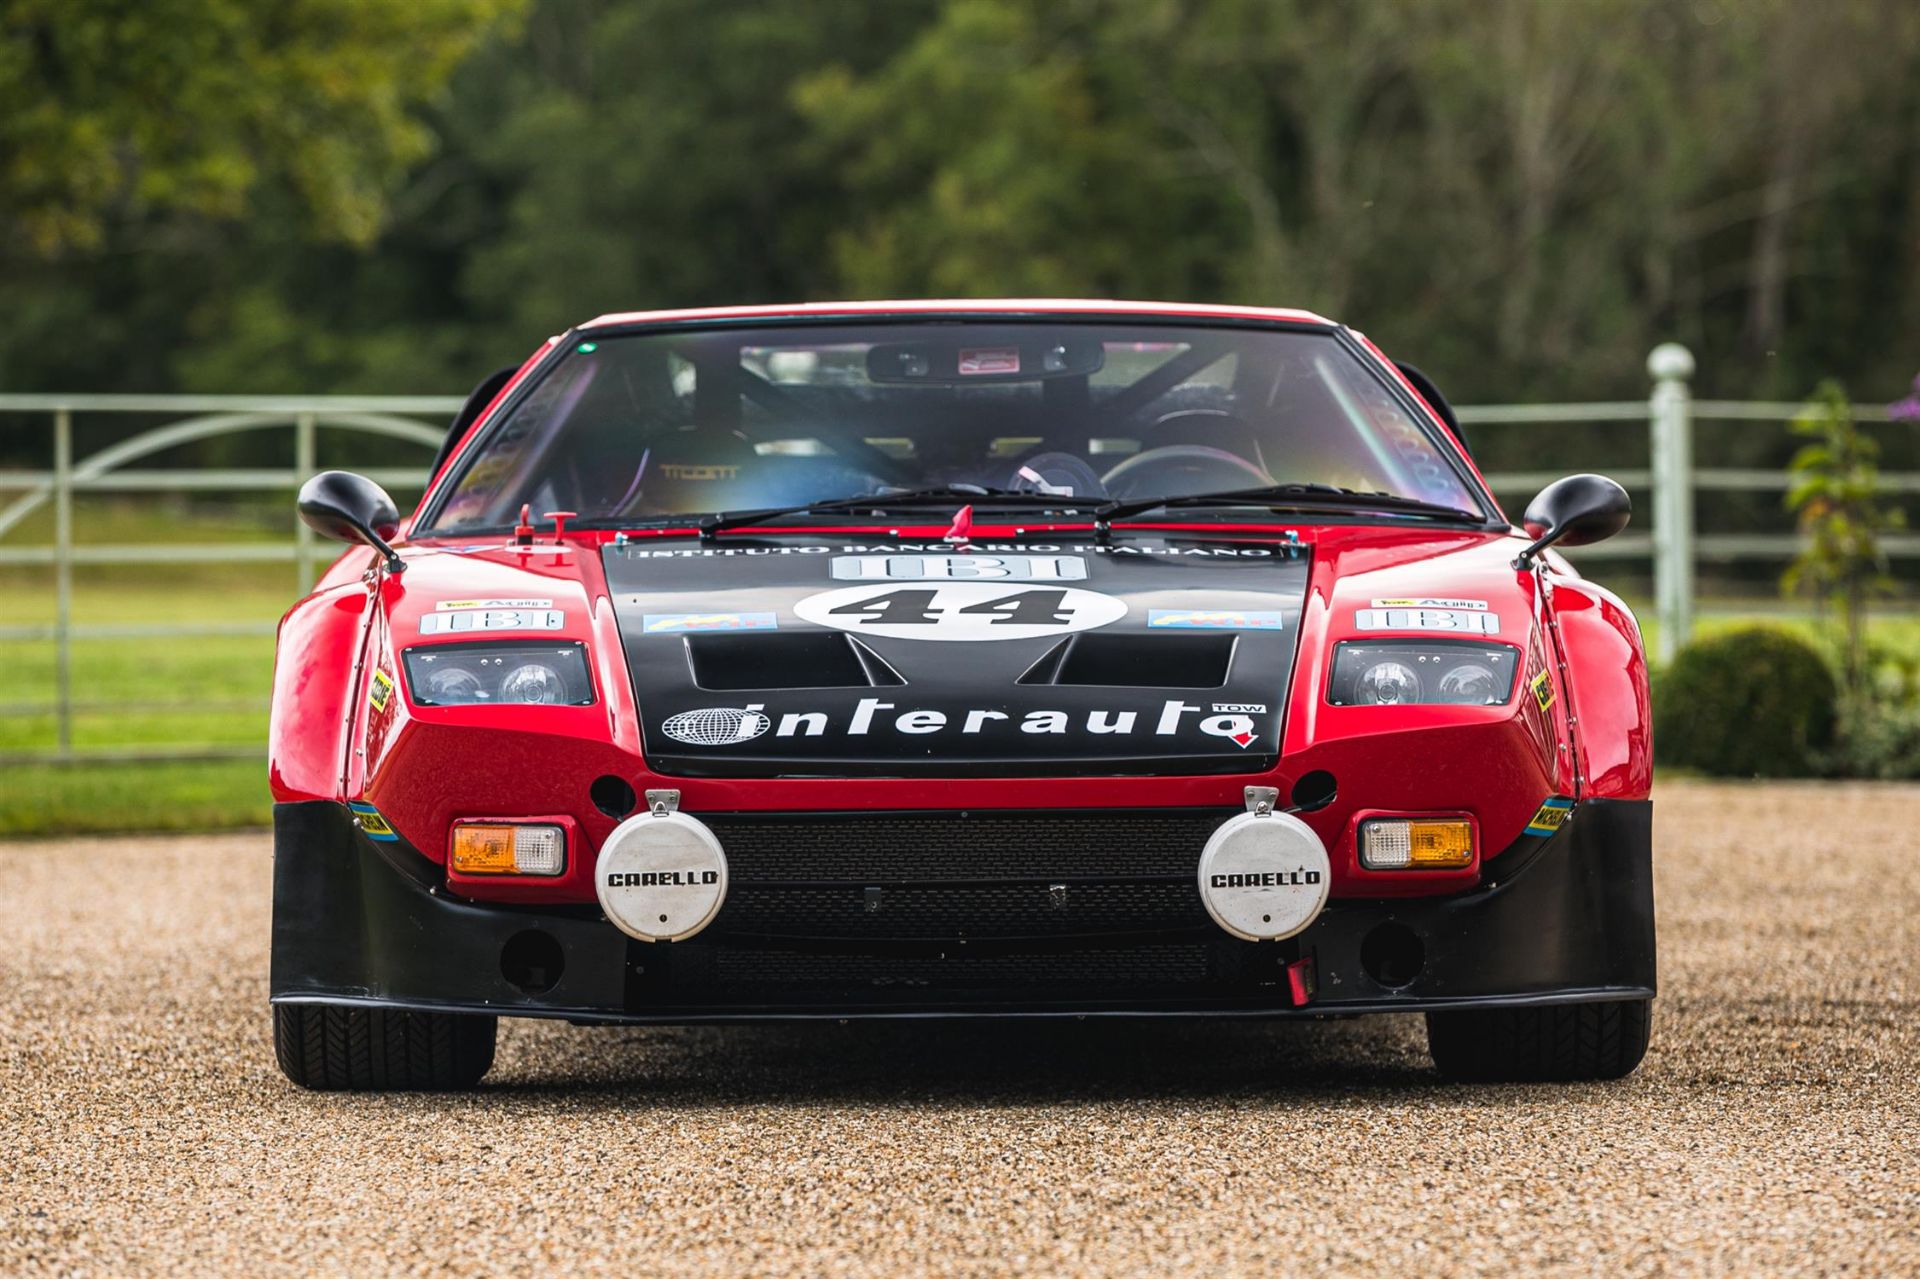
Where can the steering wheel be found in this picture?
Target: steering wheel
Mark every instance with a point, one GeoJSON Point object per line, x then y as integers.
{"type": "Point", "coordinates": [1180, 469]}
{"type": "Point", "coordinates": [1053, 472]}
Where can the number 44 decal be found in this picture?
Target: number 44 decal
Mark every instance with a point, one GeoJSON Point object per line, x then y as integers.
{"type": "Point", "coordinates": [962, 611]}
{"type": "Point", "coordinates": [916, 608]}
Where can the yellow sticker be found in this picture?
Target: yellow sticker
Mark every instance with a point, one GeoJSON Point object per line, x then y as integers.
{"type": "Point", "coordinates": [514, 605]}
{"type": "Point", "coordinates": [380, 691]}
{"type": "Point", "coordinates": [1552, 816]}
{"type": "Point", "coordinates": [374, 824]}
{"type": "Point", "coordinates": [1542, 690]}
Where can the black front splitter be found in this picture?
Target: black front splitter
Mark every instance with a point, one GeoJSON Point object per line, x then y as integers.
{"type": "Point", "coordinates": [1564, 920]}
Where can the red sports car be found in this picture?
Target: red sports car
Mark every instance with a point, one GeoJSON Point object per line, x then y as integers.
{"type": "Point", "coordinates": [1001, 658]}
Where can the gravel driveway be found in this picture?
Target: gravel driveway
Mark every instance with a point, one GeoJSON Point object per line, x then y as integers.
{"type": "Point", "coordinates": [1775, 1126]}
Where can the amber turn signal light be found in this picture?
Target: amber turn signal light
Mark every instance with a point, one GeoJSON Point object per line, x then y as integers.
{"type": "Point", "coordinates": [509, 848]}
{"type": "Point", "coordinates": [1404, 844]}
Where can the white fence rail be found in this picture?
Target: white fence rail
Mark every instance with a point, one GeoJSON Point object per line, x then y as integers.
{"type": "Point", "coordinates": [1670, 476]}
{"type": "Point", "coordinates": [205, 417]}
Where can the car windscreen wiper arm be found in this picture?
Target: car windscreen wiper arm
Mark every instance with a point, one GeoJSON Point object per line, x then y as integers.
{"type": "Point", "coordinates": [879, 502]}
{"type": "Point", "coordinates": [1296, 497]}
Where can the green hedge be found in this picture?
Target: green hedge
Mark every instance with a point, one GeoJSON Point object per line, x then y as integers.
{"type": "Point", "coordinates": [1757, 702]}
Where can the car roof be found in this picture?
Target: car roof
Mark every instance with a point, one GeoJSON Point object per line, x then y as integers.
{"type": "Point", "coordinates": [965, 306]}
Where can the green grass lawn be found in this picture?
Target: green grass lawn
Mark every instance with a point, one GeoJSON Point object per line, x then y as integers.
{"type": "Point", "coordinates": [191, 692]}
{"type": "Point", "coordinates": [82, 799]}
{"type": "Point", "coordinates": [202, 690]}
{"type": "Point", "coordinates": [173, 692]}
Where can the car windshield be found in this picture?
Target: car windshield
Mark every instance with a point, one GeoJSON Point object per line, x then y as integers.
{"type": "Point", "coordinates": [639, 426]}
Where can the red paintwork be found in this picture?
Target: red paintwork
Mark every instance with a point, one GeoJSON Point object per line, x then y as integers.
{"type": "Point", "coordinates": [1606, 677]}
{"type": "Point", "coordinates": [318, 648]}
{"type": "Point", "coordinates": [426, 767]}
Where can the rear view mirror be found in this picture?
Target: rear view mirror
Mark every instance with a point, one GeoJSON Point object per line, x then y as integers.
{"type": "Point", "coordinates": [352, 508]}
{"type": "Point", "coordinates": [957, 363]}
{"type": "Point", "coordinates": [1576, 511]}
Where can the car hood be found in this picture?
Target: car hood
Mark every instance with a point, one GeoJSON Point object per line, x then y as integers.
{"type": "Point", "coordinates": [790, 658]}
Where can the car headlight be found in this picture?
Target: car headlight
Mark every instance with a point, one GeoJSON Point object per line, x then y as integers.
{"type": "Point", "coordinates": [499, 675]}
{"type": "Point", "coordinates": [1443, 672]}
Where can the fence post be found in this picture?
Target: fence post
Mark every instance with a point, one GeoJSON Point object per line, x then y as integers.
{"type": "Point", "coordinates": [304, 465]}
{"type": "Point", "coordinates": [63, 580]}
{"type": "Point", "coordinates": [1669, 412]}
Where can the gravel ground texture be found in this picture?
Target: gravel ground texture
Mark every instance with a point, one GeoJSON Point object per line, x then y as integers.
{"type": "Point", "coordinates": [1774, 1129]}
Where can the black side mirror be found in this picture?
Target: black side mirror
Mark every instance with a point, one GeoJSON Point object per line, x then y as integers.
{"type": "Point", "coordinates": [1574, 512]}
{"type": "Point", "coordinates": [352, 508]}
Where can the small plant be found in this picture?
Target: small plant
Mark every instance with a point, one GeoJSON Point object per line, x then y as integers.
{"type": "Point", "coordinates": [1835, 492]}
{"type": "Point", "coordinates": [1756, 702]}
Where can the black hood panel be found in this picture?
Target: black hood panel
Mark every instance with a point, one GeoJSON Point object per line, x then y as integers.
{"type": "Point", "coordinates": [798, 657]}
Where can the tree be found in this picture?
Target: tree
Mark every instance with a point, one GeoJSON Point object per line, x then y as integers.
{"type": "Point", "coordinates": [113, 112]}
{"type": "Point", "coordinates": [987, 157]}
{"type": "Point", "coordinates": [1837, 496]}
{"type": "Point", "coordinates": [1522, 197]}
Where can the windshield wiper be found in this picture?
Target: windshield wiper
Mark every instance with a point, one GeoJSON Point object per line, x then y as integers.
{"type": "Point", "coordinates": [1302, 497]}
{"type": "Point", "coordinates": [879, 503]}
{"type": "Point", "coordinates": [1103, 512]}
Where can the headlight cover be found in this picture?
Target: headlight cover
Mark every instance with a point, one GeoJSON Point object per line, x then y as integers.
{"type": "Point", "coordinates": [494, 674]}
{"type": "Point", "coordinates": [1433, 672]}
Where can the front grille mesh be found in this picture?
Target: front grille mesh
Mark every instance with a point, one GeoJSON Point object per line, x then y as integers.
{"type": "Point", "coordinates": [886, 905]}
{"type": "Point", "coordinates": [890, 848]}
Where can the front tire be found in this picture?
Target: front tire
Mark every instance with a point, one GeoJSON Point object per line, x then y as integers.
{"type": "Point", "coordinates": [335, 1047]}
{"type": "Point", "coordinates": [1560, 1042]}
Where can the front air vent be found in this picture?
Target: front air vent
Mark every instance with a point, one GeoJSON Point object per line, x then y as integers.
{"type": "Point", "coordinates": [751, 663]}
{"type": "Point", "coordinates": [1135, 661]}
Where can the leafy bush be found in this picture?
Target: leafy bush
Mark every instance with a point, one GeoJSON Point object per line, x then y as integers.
{"type": "Point", "coordinates": [1758, 702]}
{"type": "Point", "coordinates": [1879, 725]}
